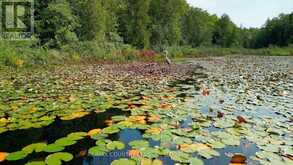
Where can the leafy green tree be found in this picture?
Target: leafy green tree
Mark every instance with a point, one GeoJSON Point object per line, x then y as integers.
{"type": "Point", "coordinates": [198, 27]}
{"type": "Point", "coordinates": [166, 17]}
{"type": "Point", "coordinates": [92, 19]}
{"type": "Point", "coordinates": [225, 33]}
{"type": "Point", "coordinates": [134, 22]}
{"type": "Point", "coordinates": [55, 23]}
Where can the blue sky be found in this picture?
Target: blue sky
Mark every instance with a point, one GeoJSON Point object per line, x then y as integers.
{"type": "Point", "coordinates": [248, 13]}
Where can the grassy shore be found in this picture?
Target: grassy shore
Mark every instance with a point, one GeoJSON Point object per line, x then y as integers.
{"type": "Point", "coordinates": [26, 54]}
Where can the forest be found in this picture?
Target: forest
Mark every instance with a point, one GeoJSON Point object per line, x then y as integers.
{"type": "Point", "coordinates": [102, 29]}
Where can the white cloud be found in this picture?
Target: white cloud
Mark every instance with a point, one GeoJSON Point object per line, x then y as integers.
{"type": "Point", "coordinates": [249, 13]}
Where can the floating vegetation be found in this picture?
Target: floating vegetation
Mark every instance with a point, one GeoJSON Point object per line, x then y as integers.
{"type": "Point", "coordinates": [233, 114]}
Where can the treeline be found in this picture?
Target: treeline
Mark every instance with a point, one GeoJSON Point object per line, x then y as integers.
{"type": "Point", "coordinates": [150, 24]}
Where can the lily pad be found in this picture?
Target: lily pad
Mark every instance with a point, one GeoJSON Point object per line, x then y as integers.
{"type": "Point", "coordinates": [179, 156]}
{"type": "Point", "coordinates": [145, 161]}
{"type": "Point", "coordinates": [36, 163]}
{"type": "Point", "coordinates": [123, 161]}
{"type": "Point", "coordinates": [115, 145]}
{"type": "Point", "coordinates": [139, 144]}
{"type": "Point", "coordinates": [16, 155]}
{"type": "Point", "coordinates": [111, 130]}
{"type": "Point", "coordinates": [53, 148]}
{"type": "Point", "coordinates": [98, 151]}
{"type": "Point", "coordinates": [66, 141]}
{"type": "Point", "coordinates": [57, 158]}
{"type": "Point", "coordinates": [196, 161]}
{"type": "Point", "coordinates": [208, 153]}
{"type": "Point", "coordinates": [37, 147]}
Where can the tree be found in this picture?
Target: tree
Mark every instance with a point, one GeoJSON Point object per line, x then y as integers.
{"type": "Point", "coordinates": [55, 23]}
{"type": "Point", "coordinates": [225, 33]}
{"type": "Point", "coordinates": [134, 23]}
{"type": "Point", "coordinates": [166, 16]}
{"type": "Point", "coordinates": [92, 19]}
{"type": "Point", "coordinates": [198, 27]}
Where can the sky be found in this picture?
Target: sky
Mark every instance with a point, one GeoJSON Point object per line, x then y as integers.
{"type": "Point", "coordinates": [246, 13]}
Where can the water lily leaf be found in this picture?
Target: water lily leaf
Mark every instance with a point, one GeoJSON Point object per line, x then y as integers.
{"type": "Point", "coordinates": [145, 161]}
{"type": "Point", "coordinates": [77, 135]}
{"type": "Point", "coordinates": [123, 161]}
{"type": "Point", "coordinates": [149, 152]}
{"type": "Point", "coordinates": [154, 131]}
{"type": "Point", "coordinates": [66, 141]}
{"type": "Point", "coordinates": [74, 115]}
{"type": "Point", "coordinates": [208, 153]}
{"type": "Point", "coordinates": [57, 158]}
{"type": "Point", "coordinates": [181, 140]}
{"type": "Point", "coordinates": [115, 145]}
{"type": "Point", "coordinates": [37, 147]}
{"type": "Point", "coordinates": [179, 156]}
{"type": "Point", "coordinates": [111, 130]}
{"type": "Point", "coordinates": [154, 118]}
{"type": "Point", "coordinates": [196, 161]}
{"type": "Point", "coordinates": [98, 151]}
{"type": "Point", "coordinates": [139, 144]}
{"type": "Point", "coordinates": [99, 136]}
{"type": "Point", "coordinates": [36, 163]}
{"type": "Point", "coordinates": [16, 155]}
{"type": "Point", "coordinates": [118, 118]}
{"type": "Point", "coordinates": [268, 155]}
{"type": "Point", "coordinates": [224, 123]}
{"type": "Point", "coordinates": [270, 148]}
{"type": "Point", "coordinates": [231, 141]}
{"type": "Point", "coordinates": [190, 148]}
{"type": "Point", "coordinates": [216, 144]}
{"type": "Point", "coordinates": [94, 132]}
{"type": "Point", "coordinates": [53, 148]}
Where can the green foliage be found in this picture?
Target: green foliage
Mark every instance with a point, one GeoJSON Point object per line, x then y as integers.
{"type": "Point", "coordinates": [198, 27]}
{"type": "Point", "coordinates": [166, 22]}
{"type": "Point", "coordinates": [86, 30]}
{"type": "Point", "coordinates": [134, 22]}
{"type": "Point", "coordinates": [225, 32]}
{"type": "Point", "coordinates": [55, 24]}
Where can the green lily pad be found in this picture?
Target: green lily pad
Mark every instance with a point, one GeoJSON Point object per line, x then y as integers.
{"type": "Point", "coordinates": [179, 156]}
{"type": "Point", "coordinates": [115, 145]}
{"type": "Point", "coordinates": [216, 144]}
{"type": "Point", "coordinates": [145, 161]}
{"type": "Point", "coordinates": [57, 158]}
{"type": "Point", "coordinates": [149, 152]}
{"type": "Point", "coordinates": [37, 147]}
{"type": "Point", "coordinates": [53, 148]}
{"type": "Point", "coordinates": [36, 163]}
{"type": "Point", "coordinates": [208, 153]}
{"type": "Point", "coordinates": [139, 144]}
{"type": "Point", "coordinates": [98, 151]}
{"type": "Point", "coordinates": [16, 155]}
{"type": "Point", "coordinates": [77, 135]}
{"type": "Point", "coordinates": [66, 141]}
{"type": "Point", "coordinates": [123, 162]}
{"type": "Point", "coordinates": [111, 130]}
{"type": "Point", "coordinates": [196, 161]}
